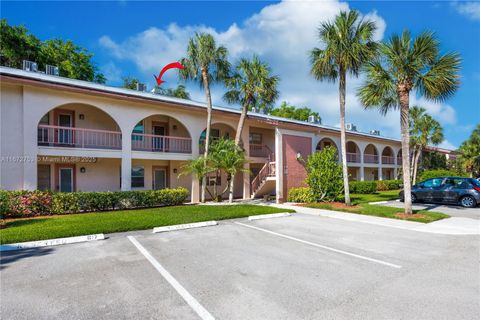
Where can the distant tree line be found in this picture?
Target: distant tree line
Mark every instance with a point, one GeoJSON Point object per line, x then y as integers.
{"type": "Point", "coordinates": [17, 44]}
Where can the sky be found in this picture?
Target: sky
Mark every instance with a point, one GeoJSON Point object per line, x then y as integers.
{"type": "Point", "coordinates": [136, 39]}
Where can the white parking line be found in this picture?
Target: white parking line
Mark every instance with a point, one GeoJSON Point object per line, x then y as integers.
{"type": "Point", "coordinates": [322, 246]}
{"type": "Point", "coordinates": [192, 302]}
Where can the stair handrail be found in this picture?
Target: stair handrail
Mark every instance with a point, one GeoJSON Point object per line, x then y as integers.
{"type": "Point", "coordinates": [267, 170]}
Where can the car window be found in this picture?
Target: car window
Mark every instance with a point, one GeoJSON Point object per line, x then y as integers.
{"type": "Point", "coordinates": [432, 183]}
{"type": "Point", "coordinates": [475, 182]}
{"type": "Point", "coordinates": [457, 183]}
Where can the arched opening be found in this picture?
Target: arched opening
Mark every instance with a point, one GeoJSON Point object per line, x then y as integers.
{"type": "Point", "coordinates": [388, 156]}
{"type": "Point", "coordinates": [161, 133]}
{"type": "Point", "coordinates": [326, 142]}
{"type": "Point", "coordinates": [353, 152]}
{"type": "Point", "coordinates": [78, 125]}
{"type": "Point", "coordinates": [217, 131]}
{"type": "Point", "coordinates": [370, 155]}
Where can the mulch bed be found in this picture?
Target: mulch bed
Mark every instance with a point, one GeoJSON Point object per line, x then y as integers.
{"type": "Point", "coordinates": [410, 216]}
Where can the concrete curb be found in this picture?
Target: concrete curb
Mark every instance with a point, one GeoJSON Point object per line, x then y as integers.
{"type": "Point", "coordinates": [51, 242]}
{"type": "Point", "coordinates": [268, 216]}
{"type": "Point", "coordinates": [378, 202]}
{"type": "Point", "coordinates": [185, 226]}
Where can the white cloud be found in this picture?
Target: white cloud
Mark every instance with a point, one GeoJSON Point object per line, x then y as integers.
{"type": "Point", "coordinates": [444, 113]}
{"type": "Point", "coordinates": [281, 34]}
{"type": "Point", "coordinates": [468, 9]}
{"type": "Point", "coordinates": [111, 72]}
{"type": "Point", "coordinates": [447, 145]}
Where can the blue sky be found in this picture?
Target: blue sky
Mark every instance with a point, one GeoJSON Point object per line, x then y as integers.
{"type": "Point", "coordinates": [139, 38]}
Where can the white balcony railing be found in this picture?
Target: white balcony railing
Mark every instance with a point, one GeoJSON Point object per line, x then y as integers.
{"type": "Point", "coordinates": [353, 157]}
{"type": "Point", "coordinates": [58, 136]}
{"type": "Point", "coordinates": [156, 143]}
{"type": "Point", "coordinates": [388, 160]}
{"type": "Point", "coordinates": [370, 158]}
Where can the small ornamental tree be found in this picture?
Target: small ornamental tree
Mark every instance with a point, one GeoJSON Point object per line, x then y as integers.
{"type": "Point", "coordinates": [324, 175]}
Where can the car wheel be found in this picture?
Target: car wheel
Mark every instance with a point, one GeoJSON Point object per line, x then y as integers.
{"type": "Point", "coordinates": [468, 202]}
{"type": "Point", "coordinates": [414, 197]}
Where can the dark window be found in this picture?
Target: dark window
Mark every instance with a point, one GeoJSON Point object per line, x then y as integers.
{"type": "Point", "coordinates": [432, 183]}
{"type": "Point", "coordinates": [139, 128]}
{"type": "Point", "coordinates": [138, 177]}
{"type": "Point", "coordinates": [256, 138]}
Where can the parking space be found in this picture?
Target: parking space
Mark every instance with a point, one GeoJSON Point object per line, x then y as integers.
{"type": "Point", "coordinates": [451, 210]}
{"type": "Point", "coordinates": [298, 267]}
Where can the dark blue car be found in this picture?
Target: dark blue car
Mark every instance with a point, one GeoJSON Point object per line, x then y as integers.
{"type": "Point", "coordinates": [454, 190]}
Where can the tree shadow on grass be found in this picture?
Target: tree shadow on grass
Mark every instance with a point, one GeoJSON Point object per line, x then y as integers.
{"type": "Point", "coordinates": [9, 257]}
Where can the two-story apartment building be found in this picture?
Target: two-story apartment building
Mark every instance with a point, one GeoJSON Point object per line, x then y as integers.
{"type": "Point", "coordinates": [69, 135]}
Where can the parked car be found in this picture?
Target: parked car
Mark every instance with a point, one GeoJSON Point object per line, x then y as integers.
{"type": "Point", "coordinates": [457, 190]}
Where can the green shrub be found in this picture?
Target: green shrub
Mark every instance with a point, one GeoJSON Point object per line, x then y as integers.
{"type": "Point", "coordinates": [429, 174]}
{"type": "Point", "coordinates": [324, 175]}
{"type": "Point", "coordinates": [385, 185]}
{"type": "Point", "coordinates": [363, 187]}
{"type": "Point", "coordinates": [31, 203]}
{"type": "Point", "coordinates": [302, 194]}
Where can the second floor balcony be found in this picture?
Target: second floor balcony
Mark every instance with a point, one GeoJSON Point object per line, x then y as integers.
{"type": "Point", "coordinates": [261, 151]}
{"type": "Point", "coordinates": [70, 137]}
{"type": "Point", "coordinates": [353, 157]}
{"type": "Point", "coordinates": [158, 143]}
{"type": "Point", "coordinates": [370, 158]}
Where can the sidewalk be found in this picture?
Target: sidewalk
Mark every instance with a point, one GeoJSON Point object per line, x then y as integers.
{"type": "Point", "coordinates": [452, 226]}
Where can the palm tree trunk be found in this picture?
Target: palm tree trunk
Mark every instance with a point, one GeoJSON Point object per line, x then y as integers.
{"type": "Point", "coordinates": [404, 115]}
{"type": "Point", "coordinates": [230, 191]}
{"type": "Point", "coordinates": [241, 123]}
{"type": "Point", "coordinates": [415, 168]}
{"type": "Point", "coordinates": [413, 152]}
{"type": "Point", "coordinates": [343, 143]}
{"type": "Point", "coordinates": [209, 123]}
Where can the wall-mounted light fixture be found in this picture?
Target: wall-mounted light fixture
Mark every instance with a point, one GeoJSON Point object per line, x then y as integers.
{"type": "Point", "coordinates": [175, 170]}
{"type": "Point", "coordinates": [81, 116]}
{"type": "Point", "coordinates": [299, 156]}
{"type": "Point", "coordinates": [82, 169]}
{"type": "Point", "coordinates": [174, 127]}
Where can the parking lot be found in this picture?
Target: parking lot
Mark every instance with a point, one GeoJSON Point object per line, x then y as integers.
{"type": "Point", "coordinates": [298, 267]}
{"type": "Point", "coordinates": [452, 210]}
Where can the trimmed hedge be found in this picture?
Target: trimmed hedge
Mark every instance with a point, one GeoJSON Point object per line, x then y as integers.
{"type": "Point", "coordinates": [37, 203]}
{"type": "Point", "coordinates": [302, 194]}
{"type": "Point", "coordinates": [385, 185]}
{"type": "Point", "coordinates": [363, 187]}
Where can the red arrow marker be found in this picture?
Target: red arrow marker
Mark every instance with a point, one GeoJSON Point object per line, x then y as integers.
{"type": "Point", "coordinates": [159, 80]}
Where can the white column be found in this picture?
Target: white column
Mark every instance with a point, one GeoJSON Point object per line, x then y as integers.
{"type": "Point", "coordinates": [362, 167]}
{"type": "Point", "coordinates": [29, 158]}
{"type": "Point", "coordinates": [278, 165]}
{"type": "Point", "coordinates": [246, 175]}
{"type": "Point", "coordinates": [195, 196]}
{"type": "Point", "coordinates": [126, 160]}
{"type": "Point", "coordinates": [380, 172]}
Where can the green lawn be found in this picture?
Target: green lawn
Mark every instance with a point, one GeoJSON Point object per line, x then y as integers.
{"type": "Point", "coordinates": [382, 211]}
{"type": "Point", "coordinates": [118, 221]}
{"type": "Point", "coordinates": [379, 196]}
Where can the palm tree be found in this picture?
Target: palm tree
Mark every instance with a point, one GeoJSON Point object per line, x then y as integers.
{"type": "Point", "coordinates": [196, 167]}
{"type": "Point", "coordinates": [470, 153]}
{"type": "Point", "coordinates": [251, 85]}
{"type": "Point", "coordinates": [228, 157]}
{"type": "Point", "coordinates": [205, 63]}
{"type": "Point", "coordinates": [179, 92]}
{"type": "Point", "coordinates": [424, 130]}
{"type": "Point", "coordinates": [407, 64]}
{"type": "Point", "coordinates": [348, 44]}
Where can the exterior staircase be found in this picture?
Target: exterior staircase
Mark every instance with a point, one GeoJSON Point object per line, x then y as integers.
{"type": "Point", "coordinates": [264, 183]}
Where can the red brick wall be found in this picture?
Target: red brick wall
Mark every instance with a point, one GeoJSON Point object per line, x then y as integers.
{"type": "Point", "coordinates": [294, 173]}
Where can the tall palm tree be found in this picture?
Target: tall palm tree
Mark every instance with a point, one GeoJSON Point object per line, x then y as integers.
{"type": "Point", "coordinates": [407, 64]}
{"type": "Point", "coordinates": [348, 44]}
{"type": "Point", "coordinates": [251, 85]}
{"type": "Point", "coordinates": [424, 130]}
{"type": "Point", "coordinates": [205, 63]}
